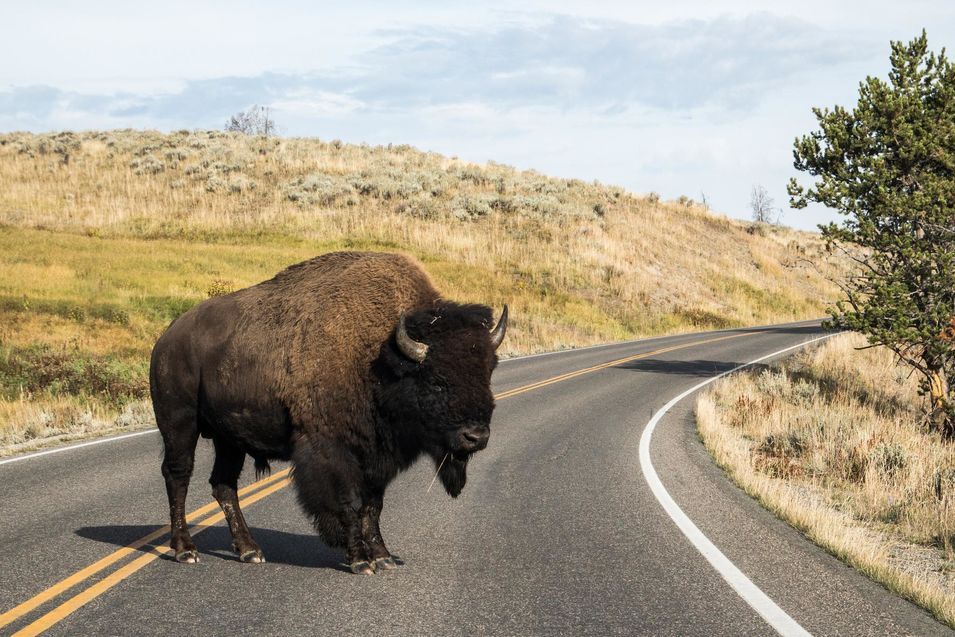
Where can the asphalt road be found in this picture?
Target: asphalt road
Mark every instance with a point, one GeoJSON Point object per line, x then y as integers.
{"type": "Point", "coordinates": [556, 532]}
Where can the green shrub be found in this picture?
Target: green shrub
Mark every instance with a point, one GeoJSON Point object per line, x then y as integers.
{"type": "Point", "coordinates": [470, 207]}
{"type": "Point", "coordinates": [147, 165]}
{"type": "Point", "coordinates": [324, 190]}
{"type": "Point", "coordinates": [385, 185]}
{"type": "Point", "coordinates": [888, 459]}
{"type": "Point", "coordinates": [42, 369]}
{"type": "Point", "coordinates": [215, 183]}
{"type": "Point", "coordinates": [241, 183]}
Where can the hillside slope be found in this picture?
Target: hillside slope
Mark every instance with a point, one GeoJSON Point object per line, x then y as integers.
{"type": "Point", "coordinates": [107, 236]}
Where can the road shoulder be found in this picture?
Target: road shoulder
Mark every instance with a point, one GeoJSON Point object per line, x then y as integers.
{"type": "Point", "coordinates": [820, 592]}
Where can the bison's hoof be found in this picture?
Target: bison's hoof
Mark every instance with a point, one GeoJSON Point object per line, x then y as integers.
{"type": "Point", "coordinates": [249, 556]}
{"type": "Point", "coordinates": [387, 563]}
{"type": "Point", "coordinates": [252, 557]}
{"type": "Point", "coordinates": [362, 568]}
{"type": "Point", "coordinates": [189, 556]}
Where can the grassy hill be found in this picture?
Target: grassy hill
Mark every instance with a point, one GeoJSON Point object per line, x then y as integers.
{"type": "Point", "coordinates": [105, 237]}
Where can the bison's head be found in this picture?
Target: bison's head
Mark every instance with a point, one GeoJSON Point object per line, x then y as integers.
{"type": "Point", "coordinates": [437, 396]}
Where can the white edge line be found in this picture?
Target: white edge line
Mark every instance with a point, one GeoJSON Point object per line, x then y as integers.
{"type": "Point", "coordinates": [506, 360]}
{"type": "Point", "coordinates": [77, 446]}
{"type": "Point", "coordinates": [751, 594]}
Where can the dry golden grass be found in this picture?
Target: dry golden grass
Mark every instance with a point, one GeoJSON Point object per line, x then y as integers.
{"type": "Point", "coordinates": [107, 236]}
{"type": "Point", "coordinates": [832, 441]}
{"type": "Point", "coordinates": [62, 418]}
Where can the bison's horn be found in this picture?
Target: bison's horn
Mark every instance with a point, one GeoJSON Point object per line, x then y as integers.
{"type": "Point", "coordinates": [497, 334]}
{"type": "Point", "coordinates": [409, 347]}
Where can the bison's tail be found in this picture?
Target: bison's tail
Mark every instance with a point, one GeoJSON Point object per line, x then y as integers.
{"type": "Point", "coordinates": [262, 468]}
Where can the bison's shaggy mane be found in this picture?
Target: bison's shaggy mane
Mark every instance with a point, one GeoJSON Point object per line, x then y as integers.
{"type": "Point", "coordinates": [447, 316]}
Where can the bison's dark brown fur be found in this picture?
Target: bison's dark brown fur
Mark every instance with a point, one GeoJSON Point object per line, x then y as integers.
{"type": "Point", "coordinates": [310, 366]}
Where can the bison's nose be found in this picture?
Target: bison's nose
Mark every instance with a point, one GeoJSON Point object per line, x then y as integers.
{"type": "Point", "coordinates": [476, 437]}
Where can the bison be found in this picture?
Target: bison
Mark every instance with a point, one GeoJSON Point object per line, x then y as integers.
{"type": "Point", "coordinates": [351, 365]}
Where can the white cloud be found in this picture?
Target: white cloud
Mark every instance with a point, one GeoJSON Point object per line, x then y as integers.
{"type": "Point", "coordinates": [317, 103]}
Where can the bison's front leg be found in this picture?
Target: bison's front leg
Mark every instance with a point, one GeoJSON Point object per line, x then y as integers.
{"type": "Point", "coordinates": [365, 550]}
{"type": "Point", "coordinates": [358, 552]}
{"type": "Point", "coordinates": [381, 558]}
{"type": "Point", "coordinates": [341, 505]}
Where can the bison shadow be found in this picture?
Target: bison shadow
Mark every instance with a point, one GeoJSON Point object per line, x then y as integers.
{"type": "Point", "coordinates": [698, 368]}
{"type": "Point", "coordinates": [279, 547]}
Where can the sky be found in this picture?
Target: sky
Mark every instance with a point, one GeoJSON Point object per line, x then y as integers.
{"type": "Point", "coordinates": [694, 98]}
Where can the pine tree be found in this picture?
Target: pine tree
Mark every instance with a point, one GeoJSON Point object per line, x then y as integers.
{"type": "Point", "coordinates": [888, 166]}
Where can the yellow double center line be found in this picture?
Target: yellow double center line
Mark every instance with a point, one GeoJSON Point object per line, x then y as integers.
{"type": "Point", "coordinates": [249, 495]}
{"type": "Point", "coordinates": [613, 363]}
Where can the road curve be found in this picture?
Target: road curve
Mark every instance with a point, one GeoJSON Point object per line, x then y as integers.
{"type": "Point", "coordinates": [557, 530]}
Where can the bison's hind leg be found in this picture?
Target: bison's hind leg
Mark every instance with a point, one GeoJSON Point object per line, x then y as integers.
{"type": "Point", "coordinates": [180, 432]}
{"type": "Point", "coordinates": [224, 481]}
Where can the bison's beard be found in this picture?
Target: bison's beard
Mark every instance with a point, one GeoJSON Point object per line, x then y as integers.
{"type": "Point", "coordinates": [454, 472]}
